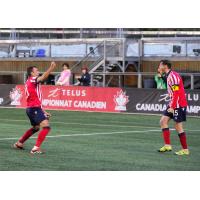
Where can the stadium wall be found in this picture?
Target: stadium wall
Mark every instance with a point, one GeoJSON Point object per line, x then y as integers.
{"type": "Point", "coordinates": [16, 69]}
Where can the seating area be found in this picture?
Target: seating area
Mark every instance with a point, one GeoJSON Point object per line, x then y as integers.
{"type": "Point", "coordinates": [51, 50]}
{"type": "Point", "coordinates": [4, 54]}
{"type": "Point", "coordinates": [143, 54]}
{"type": "Point", "coordinates": [150, 48]}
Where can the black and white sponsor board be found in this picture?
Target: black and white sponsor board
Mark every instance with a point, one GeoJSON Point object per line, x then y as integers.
{"type": "Point", "coordinates": [155, 101]}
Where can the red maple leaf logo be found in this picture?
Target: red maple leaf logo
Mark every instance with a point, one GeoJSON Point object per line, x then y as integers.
{"type": "Point", "coordinates": [121, 100]}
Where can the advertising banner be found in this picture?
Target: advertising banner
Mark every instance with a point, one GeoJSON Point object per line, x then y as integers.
{"type": "Point", "coordinates": [156, 101]}
{"type": "Point", "coordinates": [99, 99]}
{"type": "Point", "coordinates": [77, 98]}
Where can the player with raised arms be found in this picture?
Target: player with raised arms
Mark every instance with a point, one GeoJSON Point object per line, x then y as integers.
{"type": "Point", "coordinates": [38, 117]}
{"type": "Point", "coordinates": [176, 109]}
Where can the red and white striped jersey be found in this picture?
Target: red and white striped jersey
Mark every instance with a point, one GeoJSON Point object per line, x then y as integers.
{"type": "Point", "coordinates": [33, 92]}
{"type": "Point", "coordinates": [176, 90]}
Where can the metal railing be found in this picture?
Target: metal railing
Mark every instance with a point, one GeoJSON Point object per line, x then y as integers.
{"type": "Point", "coordinates": [100, 54]}
{"type": "Point", "coordinates": [146, 49]}
{"type": "Point", "coordinates": [139, 75]}
{"type": "Point", "coordinates": [11, 48]}
{"type": "Point", "coordinates": [95, 53]}
{"type": "Point", "coordinates": [186, 45]}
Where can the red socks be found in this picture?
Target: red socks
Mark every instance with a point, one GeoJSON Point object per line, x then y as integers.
{"type": "Point", "coordinates": [183, 140]}
{"type": "Point", "coordinates": [166, 136]}
{"type": "Point", "coordinates": [42, 135]}
{"type": "Point", "coordinates": [182, 137]}
{"type": "Point", "coordinates": [27, 135]}
{"type": "Point", "coordinates": [31, 131]}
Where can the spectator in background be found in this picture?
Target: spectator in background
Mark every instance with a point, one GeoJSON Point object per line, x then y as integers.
{"type": "Point", "coordinates": [160, 80]}
{"type": "Point", "coordinates": [64, 79]}
{"type": "Point", "coordinates": [92, 53]}
{"type": "Point", "coordinates": [84, 80]}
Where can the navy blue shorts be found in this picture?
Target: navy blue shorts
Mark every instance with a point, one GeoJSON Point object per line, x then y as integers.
{"type": "Point", "coordinates": [179, 114]}
{"type": "Point", "coordinates": [36, 115]}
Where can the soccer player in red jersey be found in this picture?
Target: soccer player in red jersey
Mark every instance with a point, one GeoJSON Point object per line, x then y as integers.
{"type": "Point", "coordinates": [37, 115]}
{"type": "Point", "coordinates": [176, 109]}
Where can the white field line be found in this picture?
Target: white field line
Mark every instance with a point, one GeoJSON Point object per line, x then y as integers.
{"type": "Point", "coordinates": [86, 134]}
{"type": "Point", "coordinates": [89, 134]}
{"type": "Point", "coordinates": [100, 125]}
{"type": "Point", "coordinates": [82, 124]}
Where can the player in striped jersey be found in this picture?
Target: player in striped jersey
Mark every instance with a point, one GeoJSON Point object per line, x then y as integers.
{"type": "Point", "coordinates": [36, 114]}
{"type": "Point", "coordinates": [176, 109]}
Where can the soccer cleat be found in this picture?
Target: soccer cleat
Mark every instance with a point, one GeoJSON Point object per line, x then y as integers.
{"type": "Point", "coordinates": [182, 152]}
{"type": "Point", "coordinates": [36, 150]}
{"type": "Point", "coordinates": [18, 145]}
{"type": "Point", "coordinates": [165, 148]}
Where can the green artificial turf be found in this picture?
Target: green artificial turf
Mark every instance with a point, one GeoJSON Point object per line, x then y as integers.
{"type": "Point", "coordinates": [96, 141]}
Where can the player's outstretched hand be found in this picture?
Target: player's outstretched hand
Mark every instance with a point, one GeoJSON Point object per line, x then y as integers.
{"type": "Point", "coordinates": [53, 65]}
{"type": "Point", "coordinates": [47, 73]}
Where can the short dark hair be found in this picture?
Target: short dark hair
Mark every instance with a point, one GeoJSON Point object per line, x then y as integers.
{"type": "Point", "coordinates": [65, 64]}
{"type": "Point", "coordinates": [166, 62]}
{"type": "Point", "coordinates": [29, 70]}
{"type": "Point", "coordinates": [85, 68]}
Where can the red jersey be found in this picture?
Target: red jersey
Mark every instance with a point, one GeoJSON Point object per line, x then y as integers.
{"type": "Point", "coordinates": [33, 92]}
{"type": "Point", "coordinates": [176, 90]}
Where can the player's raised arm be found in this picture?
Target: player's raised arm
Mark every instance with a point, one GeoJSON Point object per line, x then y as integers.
{"type": "Point", "coordinates": [47, 73]}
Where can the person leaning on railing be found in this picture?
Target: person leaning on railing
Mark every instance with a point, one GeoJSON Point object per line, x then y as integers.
{"type": "Point", "coordinates": [160, 79]}
{"type": "Point", "coordinates": [64, 78]}
{"type": "Point", "coordinates": [85, 78]}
